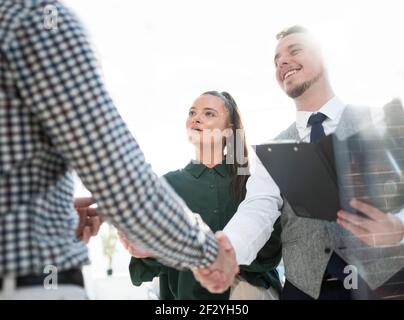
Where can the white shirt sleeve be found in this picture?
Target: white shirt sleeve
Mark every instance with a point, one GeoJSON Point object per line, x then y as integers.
{"type": "Point", "coordinates": [252, 224]}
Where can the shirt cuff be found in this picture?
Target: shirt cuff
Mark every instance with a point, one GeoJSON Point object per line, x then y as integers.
{"type": "Point", "coordinates": [242, 251]}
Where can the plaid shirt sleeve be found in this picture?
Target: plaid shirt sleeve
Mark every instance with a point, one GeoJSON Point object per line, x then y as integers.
{"type": "Point", "coordinates": [58, 79]}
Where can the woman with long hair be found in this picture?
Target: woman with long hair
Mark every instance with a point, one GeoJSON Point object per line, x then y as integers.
{"type": "Point", "coordinates": [213, 185]}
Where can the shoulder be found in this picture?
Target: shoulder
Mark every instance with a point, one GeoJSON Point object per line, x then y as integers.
{"type": "Point", "coordinates": [175, 174]}
{"type": "Point", "coordinates": [11, 14]}
{"type": "Point", "coordinates": [288, 133]}
{"type": "Point", "coordinates": [33, 16]}
{"type": "Point", "coordinates": [356, 111]}
{"type": "Point", "coordinates": [356, 114]}
{"type": "Point", "coordinates": [14, 10]}
{"type": "Point", "coordinates": [353, 119]}
{"type": "Point", "coordinates": [177, 177]}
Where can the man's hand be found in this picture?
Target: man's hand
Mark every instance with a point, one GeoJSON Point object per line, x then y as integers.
{"type": "Point", "coordinates": [219, 276]}
{"type": "Point", "coordinates": [132, 248]}
{"type": "Point", "coordinates": [382, 229]}
{"type": "Point", "coordinates": [89, 221]}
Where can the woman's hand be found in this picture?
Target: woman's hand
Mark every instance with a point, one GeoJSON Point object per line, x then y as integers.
{"type": "Point", "coordinates": [89, 220]}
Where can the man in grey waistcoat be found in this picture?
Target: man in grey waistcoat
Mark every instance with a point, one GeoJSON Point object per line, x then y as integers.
{"type": "Point", "coordinates": [319, 256]}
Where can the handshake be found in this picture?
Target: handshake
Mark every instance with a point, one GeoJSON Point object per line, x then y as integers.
{"type": "Point", "coordinates": [217, 277]}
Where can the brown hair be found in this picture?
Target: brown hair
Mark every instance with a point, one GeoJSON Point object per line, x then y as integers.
{"type": "Point", "coordinates": [291, 30]}
{"type": "Point", "coordinates": [238, 181]}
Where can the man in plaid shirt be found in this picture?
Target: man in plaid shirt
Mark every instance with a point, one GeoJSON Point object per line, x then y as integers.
{"type": "Point", "coordinates": [56, 116]}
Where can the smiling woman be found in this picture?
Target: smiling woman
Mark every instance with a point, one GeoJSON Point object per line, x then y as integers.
{"type": "Point", "coordinates": [207, 125]}
{"type": "Point", "coordinates": [213, 187]}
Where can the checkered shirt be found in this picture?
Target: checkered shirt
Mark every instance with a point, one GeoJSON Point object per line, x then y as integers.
{"type": "Point", "coordinates": [55, 117]}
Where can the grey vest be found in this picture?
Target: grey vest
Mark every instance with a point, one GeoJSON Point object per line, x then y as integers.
{"type": "Point", "coordinates": [307, 244]}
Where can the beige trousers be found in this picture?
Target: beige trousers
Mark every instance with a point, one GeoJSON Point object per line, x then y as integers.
{"type": "Point", "coordinates": [242, 290]}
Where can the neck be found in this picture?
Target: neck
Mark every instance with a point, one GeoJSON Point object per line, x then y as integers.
{"type": "Point", "coordinates": [314, 97]}
{"type": "Point", "coordinates": [209, 156]}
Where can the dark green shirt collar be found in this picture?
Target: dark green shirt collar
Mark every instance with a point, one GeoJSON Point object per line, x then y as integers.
{"type": "Point", "coordinates": [197, 169]}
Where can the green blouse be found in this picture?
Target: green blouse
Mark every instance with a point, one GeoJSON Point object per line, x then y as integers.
{"type": "Point", "coordinates": [207, 192]}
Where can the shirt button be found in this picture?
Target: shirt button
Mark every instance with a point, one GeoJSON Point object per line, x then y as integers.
{"type": "Point", "coordinates": [216, 211]}
{"type": "Point", "coordinates": [327, 250]}
{"type": "Point", "coordinates": [212, 186]}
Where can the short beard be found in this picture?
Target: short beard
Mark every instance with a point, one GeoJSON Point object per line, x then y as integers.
{"type": "Point", "coordinates": [300, 89]}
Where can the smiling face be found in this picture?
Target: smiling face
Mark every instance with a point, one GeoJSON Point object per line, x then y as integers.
{"type": "Point", "coordinates": [298, 64]}
{"type": "Point", "coordinates": [207, 115]}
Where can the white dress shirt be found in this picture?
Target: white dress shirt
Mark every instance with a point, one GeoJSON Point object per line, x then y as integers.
{"type": "Point", "coordinates": [333, 109]}
{"type": "Point", "coordinates": [252, 225]}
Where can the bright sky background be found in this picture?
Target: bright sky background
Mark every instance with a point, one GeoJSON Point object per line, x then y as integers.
{"type": "Point", "coordinates": [158, 56]}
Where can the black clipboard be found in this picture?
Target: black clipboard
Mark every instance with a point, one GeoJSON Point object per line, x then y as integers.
{"type": "Point", "coordinates": [306, 175]}
{"type": "Point", "coordinates": [320, 179]}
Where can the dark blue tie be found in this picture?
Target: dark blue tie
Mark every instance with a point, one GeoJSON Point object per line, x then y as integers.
{"type": "Point", "coordinates": [336, 265]}
{"type": "Point", "coordinates": [317, 130]}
